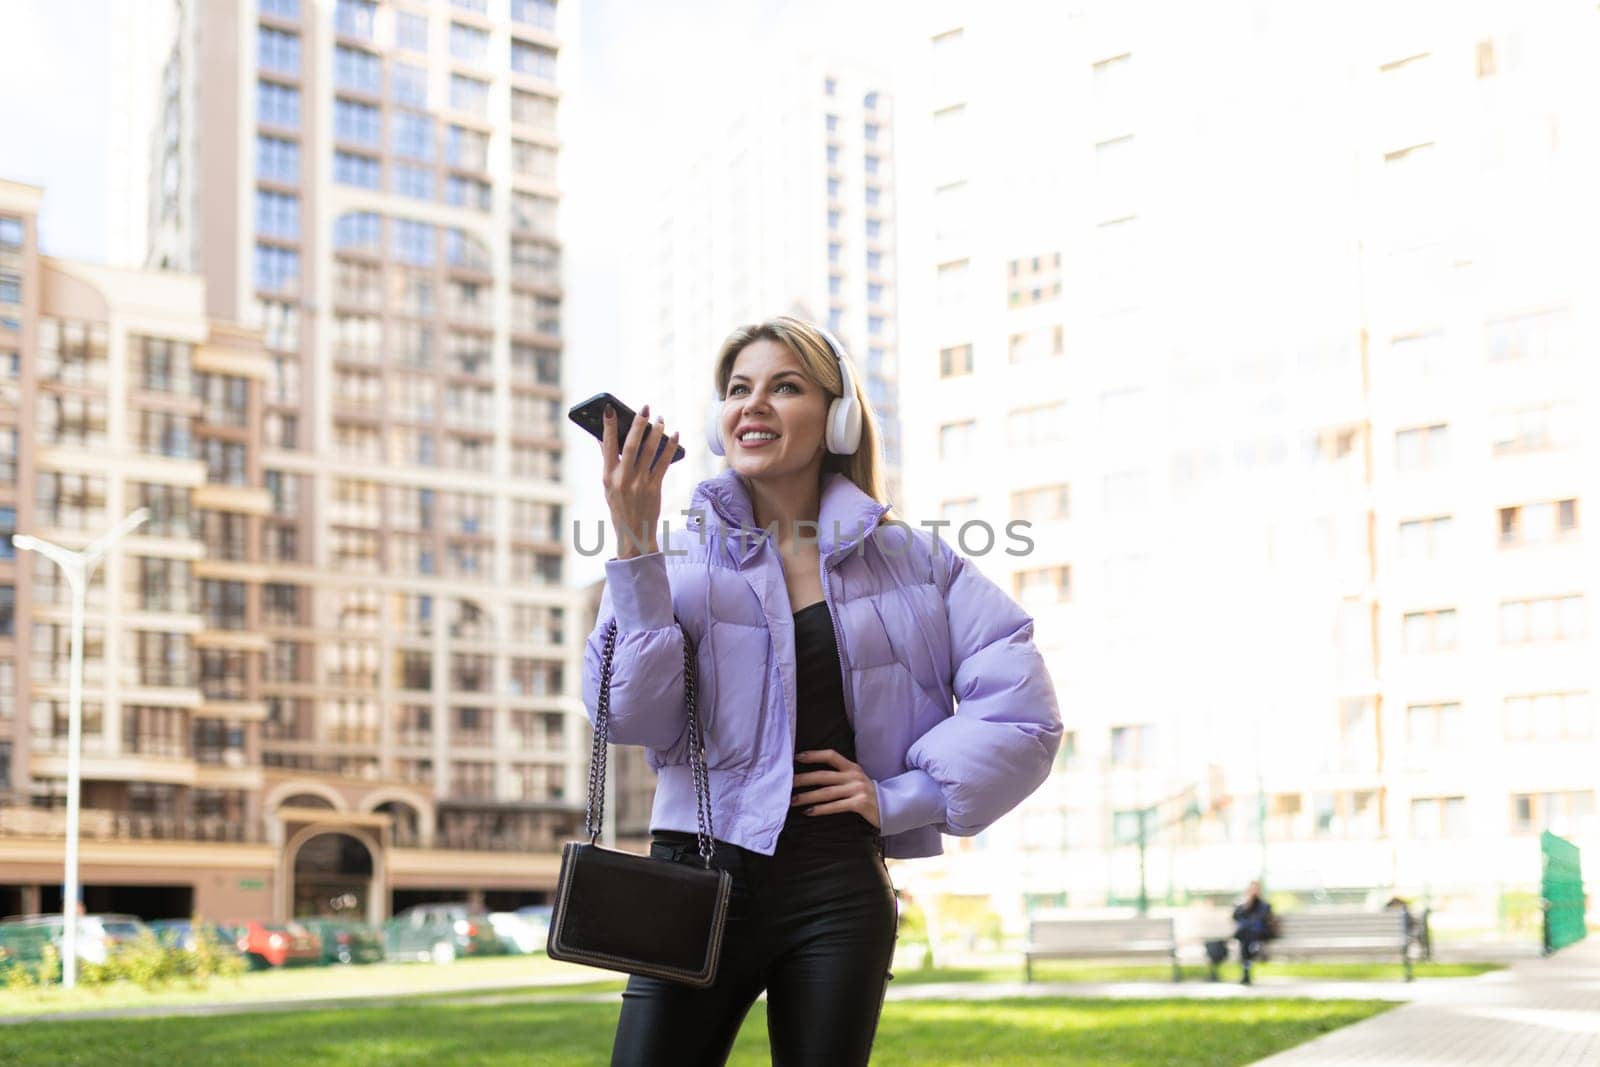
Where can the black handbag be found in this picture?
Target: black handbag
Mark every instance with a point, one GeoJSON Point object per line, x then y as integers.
{"type": "Point", "coordinates": [639, 914]}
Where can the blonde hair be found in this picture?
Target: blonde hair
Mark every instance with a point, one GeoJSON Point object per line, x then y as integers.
{"type": "Point", "coordinates": [864, 466]}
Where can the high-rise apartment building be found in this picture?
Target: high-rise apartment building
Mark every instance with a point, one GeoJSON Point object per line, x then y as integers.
{"type": "Point", "coordinates": [1273, 327]}
{"type": "Point", "coordinates": [791, 212]}
{"type": "Point", "coordinates": [374, 187]}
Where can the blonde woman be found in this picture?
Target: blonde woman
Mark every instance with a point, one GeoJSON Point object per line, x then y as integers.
{"type": "Point", "coordinates": [863, 688]}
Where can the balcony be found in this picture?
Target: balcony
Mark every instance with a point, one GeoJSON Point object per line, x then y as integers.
{"type": "Point", "coordinates": [101, 824]}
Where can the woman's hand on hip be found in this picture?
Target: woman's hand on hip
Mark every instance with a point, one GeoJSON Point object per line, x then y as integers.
{"type": "Point", "coordinates": [842, 787]}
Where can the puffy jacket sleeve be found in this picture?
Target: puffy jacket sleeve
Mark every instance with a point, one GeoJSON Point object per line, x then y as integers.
{"type": "Point", "coordinates": [647, 705]}
{"type": "Point", "coordinates": [998, 747]}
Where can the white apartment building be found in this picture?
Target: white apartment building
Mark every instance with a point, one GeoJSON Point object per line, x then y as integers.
{"type": "Point", "coordinates": [1273, 324]}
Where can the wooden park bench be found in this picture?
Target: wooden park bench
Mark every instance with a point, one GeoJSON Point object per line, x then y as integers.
{"type": "Point", "coordinates": [1341, 935]}
{"type": "Point", "coordinates": [1100, 939]}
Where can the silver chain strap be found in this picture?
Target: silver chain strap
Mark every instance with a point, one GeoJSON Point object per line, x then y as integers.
{"type": "Point", "coordinates": [594, 810]}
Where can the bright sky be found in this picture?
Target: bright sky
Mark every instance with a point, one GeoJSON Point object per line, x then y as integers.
{"type": "Point", "coordinates": [55, 77]}
{"type": "Point", "coordinates": [643, 82]}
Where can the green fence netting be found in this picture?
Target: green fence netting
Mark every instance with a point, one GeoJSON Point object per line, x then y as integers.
{"type": "Point", "coordinates": [1561, 885]}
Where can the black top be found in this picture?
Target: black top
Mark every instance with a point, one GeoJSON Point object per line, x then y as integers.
{"type": "Point", "coordinates": [821, 722]}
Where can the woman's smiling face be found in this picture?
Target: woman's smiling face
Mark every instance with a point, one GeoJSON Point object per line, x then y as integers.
{"type": "Point", "coordinates": [768, 390]}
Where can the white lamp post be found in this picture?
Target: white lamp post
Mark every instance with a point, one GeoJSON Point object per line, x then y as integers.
{"type": "Point", "coordinates": [77, 566]}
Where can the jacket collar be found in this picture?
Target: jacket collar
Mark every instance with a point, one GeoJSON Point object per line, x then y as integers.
{"type": "Point", "coordinates": [845, 514]}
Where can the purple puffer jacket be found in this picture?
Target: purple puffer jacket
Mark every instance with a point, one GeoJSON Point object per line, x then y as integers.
{"type": "Point", "coordinates": [916, 625]}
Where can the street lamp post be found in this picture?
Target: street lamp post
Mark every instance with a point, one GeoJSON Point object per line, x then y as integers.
{"type": "Point", "coordinates": [77, 567]}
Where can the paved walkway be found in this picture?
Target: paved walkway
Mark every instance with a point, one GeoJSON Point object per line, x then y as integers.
{"type": "Point", "coordinates": [1543, 1011]}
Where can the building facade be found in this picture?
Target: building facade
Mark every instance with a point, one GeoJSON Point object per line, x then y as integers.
{"type": "Point", "coordinates": [1287, 371]}
{"type": "Point", "coordinates": [372, 187]}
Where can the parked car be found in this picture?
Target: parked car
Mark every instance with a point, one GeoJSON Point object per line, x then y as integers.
{"type": "Point", "coordinates": [181, 932]}
{"type": "Point", "coordinates": [346, 940]}
{"type": "Point", "coordinates": [441, 933]}
{"type": "Point", "coordinates": [98, 935]}
{"type": "Point", "coordinates": [517, 934]}
{"type": "Point", "coordinates": [274, 944]}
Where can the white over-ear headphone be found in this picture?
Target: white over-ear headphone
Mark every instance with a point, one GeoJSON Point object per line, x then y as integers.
{"type": "Point", "coordinates": [844, 414]}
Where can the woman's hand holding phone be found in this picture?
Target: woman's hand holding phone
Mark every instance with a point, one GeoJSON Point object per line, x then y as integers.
{"type": "Point", "coordinates": [633, 481]}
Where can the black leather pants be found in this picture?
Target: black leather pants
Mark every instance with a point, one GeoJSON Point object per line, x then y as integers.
{"type": "Point", "coordinates": [814, 925]}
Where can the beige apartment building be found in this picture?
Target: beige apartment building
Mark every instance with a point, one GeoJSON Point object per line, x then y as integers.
{"type": "Point", "coordinates": [366, 658]}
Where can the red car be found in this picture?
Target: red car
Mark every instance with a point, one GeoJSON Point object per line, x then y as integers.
{"type": "Point", "coordinates": [274, 944]}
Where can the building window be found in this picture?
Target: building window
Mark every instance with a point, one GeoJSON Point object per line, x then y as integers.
{"type": "Point", "coordinates": [1045, 342]}
{"type": "Point", "coordinates": [10, 288]}
{"type": "Point", "coordinates": [1429, 631]}
{"type": "Point", "coordinates": [277, 105]}
{"type": "Point", "coordinates": [352, 169]}
{"type": "Point", "coordinates": [1422, 448]}
{"type": "Point", "coordinates": [870, 101]}
{"type": "Point", "coordinates": [540, 13]}
{"type": "Point", "coordinates": [1043, 585]}
{"type": "Point", "coordinates": [277, 214]}
{"type": "Point", "coordinates": [356, 69]}
{"type": "Point", "coordinates": [1569, 813]}
{"type": "Point", "coordinates": [956, 439]}
{"type": "Point", "coordinates": [951, 282]}
{"type": "Point", "coordinates": [1541, 523]}
{"type": "Point", "coordinates": [358, 231]}
{"type": "Point", "coordinates": [1534, 429]}
{"type": "Point", "coordinates": [414, 242]}
{"type": "Point", "coordinates": [354, 18]}
{"type": "Point", "coordinates": [10, 233]}
{"type": "Point", "coordinates": [869, 131]}
{"type": "Point", "coordinates": [277, 160]}
{"type": "Point", "coordinates": [533, 59]}
{"type": "Point", "coordinates": [408, 84]}
{"type": "Point", "coordinates": [1535, 335]}
{"type": "Point", "coordinates": [278, 51]}
{"type": "Point", "coordinates": [533, 109]}
{"type": "Point", "coordinates": [415, 182]}
{"type": "Point", "coordinates": [1438, 817]}
{"type": "Point", "coordinates": [469, 43]}
{"type": "Point", "coordinates": [411, 31]}
{"type": "Point", "coordinates": [1545, 619]}
{"type": "Point", "coordinates": [1043, 504]}
{"type": "Point", "coordinates": [1561, 716]}
{"type": "Point", "coordinates": [357, 123]}
{"type": "Point", "coordinates": [277, 269]}
{"type": "Point", "coordinates": [829, 86]}
{"type": "Point", "coordinates": [1033, 279]}
{"type": "Point", "coordinates": [1424, 538]}
{"type": "Point", "coordinates": [412, 135]}
{"type": "Point", "coordinates": [466, 148]}
{"type": "Point", "coordinates": [1037, 424]}
{"type": "Point", "coordinates": [1434, 726]}
{"type": "Point", "coordinates": [469, 94]}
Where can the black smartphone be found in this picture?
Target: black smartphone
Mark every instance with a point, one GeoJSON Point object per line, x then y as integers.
{"type": "Point", "coordinates": [591, 415]}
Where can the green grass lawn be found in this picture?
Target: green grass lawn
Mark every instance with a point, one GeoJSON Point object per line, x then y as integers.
{"type": "Point", "coordinates": [534, 975]}
{"type": "Point", "coordinates": [914, 1034]}
{"type": "Point", "coordinates": [378, 979]}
